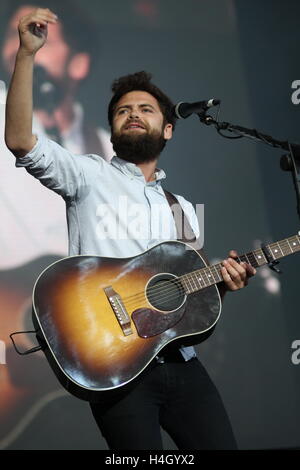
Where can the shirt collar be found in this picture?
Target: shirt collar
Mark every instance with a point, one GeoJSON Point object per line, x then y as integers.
{"type": "Point", "coordinates": [131, 169]}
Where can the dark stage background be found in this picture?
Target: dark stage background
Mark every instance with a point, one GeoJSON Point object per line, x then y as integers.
{"type": "Point", "coordinates": [246, 54]}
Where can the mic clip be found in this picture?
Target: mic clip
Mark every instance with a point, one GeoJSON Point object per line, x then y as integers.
{"type": "Point", "coordinates": [208, 120]}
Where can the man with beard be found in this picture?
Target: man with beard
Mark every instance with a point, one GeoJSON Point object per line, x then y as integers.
{"type": "Point", "coordinates": [176, 391]}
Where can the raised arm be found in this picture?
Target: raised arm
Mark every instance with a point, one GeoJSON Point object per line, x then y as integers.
{"type": "Point", "coordinates": [18, 124]}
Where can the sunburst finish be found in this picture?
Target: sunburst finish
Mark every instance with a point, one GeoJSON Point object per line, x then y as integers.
{"type": "Point", "coordinates": [81, 330]}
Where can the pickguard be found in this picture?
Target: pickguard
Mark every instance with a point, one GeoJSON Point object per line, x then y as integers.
{"type": "Point", "coordinates": [150, 322]}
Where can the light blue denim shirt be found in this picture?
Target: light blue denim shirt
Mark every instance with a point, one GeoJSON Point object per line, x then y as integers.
{"type": "Point", "coordinates": [111, 210]}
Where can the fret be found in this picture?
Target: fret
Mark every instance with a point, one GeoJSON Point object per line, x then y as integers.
{"type": "Point", "coordinates": [218, 270]}
{"type": "Point", "coordinates": [282, 247]}
{"type": "Point", "coordinates": [214, 274]}
{"type": "Point", "coordinates": [209, 275]}
{"type": "Point", "coordinates": [198, 282]}
{"type": "Point", "coordinates": [188, 277]}
{"type": "Point", "coordinates": [247, 258]}
{"type": "Point", "coordinates": [207, 280]}
{"type": "Point", "coordinates": [185, 282]}
{"type": "Point", "coordinates": [260, 258]}
{"type": "Point", "coordinates": [278, 244]}
{"type": "Point", "coordinates": [273, 251]}
{"type": "Point", "coordinates": [200, 278]}
{"type": "Point", "coordinates": [286, 247]}
{"type": "Point", "coordinates": [253, 260]}
{"type": "Point", "coordinates": [295, 243]}
{"type": "Point", "coordinates": [277, 249]}
{"type": "Point", "coordinates": [289, 245]}
{"type": "Point", "coordinates": [242, 259]}
{"type": "Point", "coordinates": [250, 258]}
{"type": "Point", "coordinates": [194, 279]}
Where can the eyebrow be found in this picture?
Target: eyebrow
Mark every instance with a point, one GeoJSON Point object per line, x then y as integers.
{"type": "Point", "coordinates": [129, 106]}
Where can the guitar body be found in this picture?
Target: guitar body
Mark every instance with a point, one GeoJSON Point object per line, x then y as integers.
{"type": "Point", "coordinates": [89, 347]}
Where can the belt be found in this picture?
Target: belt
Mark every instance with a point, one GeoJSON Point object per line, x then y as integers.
{"type": "Point", "coordinates": [173, 355]}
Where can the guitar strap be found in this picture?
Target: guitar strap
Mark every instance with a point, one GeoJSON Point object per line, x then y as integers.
{"type": "Point", "coordinates": [182, 223]}
{"type": "Point", "coordinates": [184, 229]}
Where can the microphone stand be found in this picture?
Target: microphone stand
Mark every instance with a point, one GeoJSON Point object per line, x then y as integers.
{"type": "Point", "coordinates": [288, 162]}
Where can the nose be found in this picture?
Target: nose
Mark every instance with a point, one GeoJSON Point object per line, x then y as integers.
{"type": "Point", "coordinates": [134, 113]}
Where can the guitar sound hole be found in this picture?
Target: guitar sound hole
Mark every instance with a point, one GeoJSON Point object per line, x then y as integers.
{"type": "Point", "coordinates": [165, 292]}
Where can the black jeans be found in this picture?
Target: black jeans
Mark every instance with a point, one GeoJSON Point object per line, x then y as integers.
{"type": "Point", "coordinates": [180, 397]}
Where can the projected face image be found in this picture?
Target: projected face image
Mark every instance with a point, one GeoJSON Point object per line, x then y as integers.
{"type": "Point", "coordinates": [53, 56]}
{"type": "Point", "coordinates": [61, 67]}
{"type": "Point", "coordinates": [62, 62]}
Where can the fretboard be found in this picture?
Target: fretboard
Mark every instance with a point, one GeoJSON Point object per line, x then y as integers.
{"type": "Point", "coordinates": [205, 277]}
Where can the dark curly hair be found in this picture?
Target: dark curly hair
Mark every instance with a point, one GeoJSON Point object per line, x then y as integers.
{"type": "Point", "coordinates": [140, 81]}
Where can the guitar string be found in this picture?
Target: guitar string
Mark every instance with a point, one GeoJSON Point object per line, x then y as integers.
{"type": "Point", "coordinates": [170, 286]}
{"type": "Point", "coordinates": [169, 293]}
{"type": "Point", "coordinates": [172, 295]}
{"type": "Point", "coordinates": [155, 289]}
{"type": "Point", "coordinates": [190, 278]}
{"type": "Point", "coordinates": [172, 292]}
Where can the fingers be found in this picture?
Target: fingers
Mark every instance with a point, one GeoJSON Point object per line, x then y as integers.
{"type": "Point", "coordinates": [250, 270]}
{"type": "Point", "coordinates": [236, 275]}
{"type": "Point", "coordinates": [40, 17]}
{"type": "Point", "coordinates": [233, 254]}
{"type": "Point", "coordinates": [33, 29]}
{"type": "Point", "coordinates": [233, 274]}
{"type": "Point", "coordinates": [46, 15]}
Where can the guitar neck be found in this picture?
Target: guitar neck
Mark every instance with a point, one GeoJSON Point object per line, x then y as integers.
{"type": "Point", "coordinates": [210, 275]}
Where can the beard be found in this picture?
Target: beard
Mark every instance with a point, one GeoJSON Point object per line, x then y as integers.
{"type": "Point", "coordinates": [138, 148]}
{"type": "Point", "coordinates": [48, 92]}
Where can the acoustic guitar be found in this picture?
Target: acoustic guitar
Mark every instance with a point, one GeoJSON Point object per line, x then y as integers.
{"type": "Point", "coordinates": [101, 321]}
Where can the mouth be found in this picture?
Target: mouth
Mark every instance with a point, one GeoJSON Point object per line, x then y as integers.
{"type": "Point", "coordinates": [134, 125]}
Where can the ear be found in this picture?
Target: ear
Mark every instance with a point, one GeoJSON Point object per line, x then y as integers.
{"type": "Point", "coordinates": [168, 131]}
{"type": "Point", "coordinates": [79, 66]}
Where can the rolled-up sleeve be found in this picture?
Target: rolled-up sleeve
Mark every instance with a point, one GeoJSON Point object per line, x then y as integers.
{"type": "Point", "coordinates": [54, 167]}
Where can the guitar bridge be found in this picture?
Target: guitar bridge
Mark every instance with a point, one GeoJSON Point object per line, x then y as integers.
{"type": "Point", "coordinates": [119, 310]}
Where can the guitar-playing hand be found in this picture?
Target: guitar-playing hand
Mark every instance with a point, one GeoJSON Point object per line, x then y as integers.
{"type": "Point", "coordinates": [236, 275]}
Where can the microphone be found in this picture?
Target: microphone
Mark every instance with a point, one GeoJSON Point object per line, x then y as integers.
{"type": "Point", "coordinates": [184, 110]}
